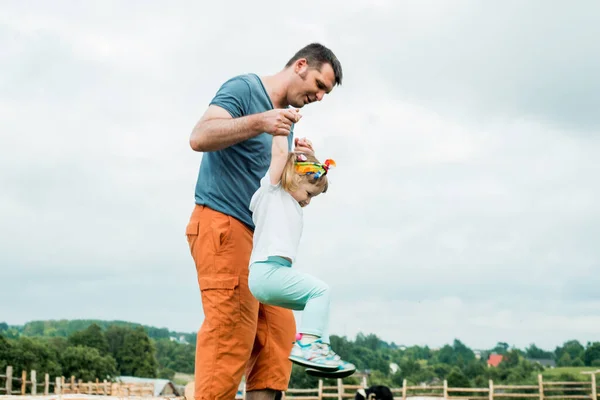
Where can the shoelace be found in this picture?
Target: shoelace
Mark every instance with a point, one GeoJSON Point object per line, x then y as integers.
{"type": "Point", "coordinates": [326, 350]}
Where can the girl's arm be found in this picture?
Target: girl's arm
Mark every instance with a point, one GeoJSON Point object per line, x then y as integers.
{"type": "Point", "coordinates": [279, 152]}
{"type": "Point", "coordinates": [279, 155]}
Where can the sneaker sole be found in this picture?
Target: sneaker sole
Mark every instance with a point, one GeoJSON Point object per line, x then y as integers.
{"type": "Point", "coordinates": [335, 374]}
{"type": "Point", "coordinates": [307, 364]}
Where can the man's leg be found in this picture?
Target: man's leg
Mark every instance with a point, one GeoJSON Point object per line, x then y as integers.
{"type": "Point", "coordinates": [264, 395]}
{"type": "Point", "coordinates": [269, 366]}
{"type": "Point", "coordinates": [221, 247]}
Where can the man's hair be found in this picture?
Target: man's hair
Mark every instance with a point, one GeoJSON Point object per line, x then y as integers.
{"type": "Point", "coordinates": [316, 55]}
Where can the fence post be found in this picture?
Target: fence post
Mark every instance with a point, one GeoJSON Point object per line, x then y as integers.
{"type": "Point", "coordinates": [364, 381]}
{"type": "Point", "coordinates": [404, 389]}
{"type": "Point", "coordinates": [46, 384]}
{"type": "Point", "coordinates": [9, 380]}
{"type": "Point", "coordinates": [320, 393]}
{"type": "Point", "coordinates": [541, 386]}
{"type": "Point", "coordinates": [23, 382]}
{"type": "Point", "coordinates": [491, 394]}
{"type": "Point", "coordinates": [106, 388]}
{"type": "Point", "coordinates": [33, 383]}
{"type": "Point", "coordinates": [57, 387]}
{"type": "Point", "coordinates": [594, 394]}
{"type": "Point", "coordinates": [340, 386]}
{"type": "Point", "coordinates": [445, 389]}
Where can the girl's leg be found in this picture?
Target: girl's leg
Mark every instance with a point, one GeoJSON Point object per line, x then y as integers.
{"type": "Point", "coordinates": [274, 282]}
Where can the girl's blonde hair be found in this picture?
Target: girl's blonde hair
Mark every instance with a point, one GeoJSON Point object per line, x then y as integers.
{"type": "Point", "coordinates": [290, 179]}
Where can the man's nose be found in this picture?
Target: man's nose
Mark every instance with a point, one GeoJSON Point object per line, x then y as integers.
{"type": "Point", "coordinates": [320, 95]}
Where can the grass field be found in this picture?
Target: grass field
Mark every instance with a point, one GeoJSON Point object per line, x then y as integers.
{"type": "Point", "coordinates": [575, 371]}
{"type": "Point", "coordinates": [183, 379]}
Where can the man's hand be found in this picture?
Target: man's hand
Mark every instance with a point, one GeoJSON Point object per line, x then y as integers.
{"type": "Point", "coordinates": [303, 145]}
{"type": "Point", "coordinates": [278, 122]}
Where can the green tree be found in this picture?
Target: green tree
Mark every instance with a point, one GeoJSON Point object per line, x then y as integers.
{"type": "Point", "coordinates": [458, 379]}
{"type": "Point", "coordinates": [301, 380]}
{"type": "Point", "coordinates": [510, 359]}
{"type": "Point", "coordinates": [409, 367]}
{"type": "Point", "coordinates": [5, 352]}
{"type": "Point", "coordinates": [158, 333]}
{"type": "Point", "coordinates": [501, 348]}
{"type": "Point", "coordinates": [87, 363]}
{"type": "Point", "coordinates": [92, 337]}
{"type": "Point", "coordinates": [577, 363]}
{"type": "Point", "coordinates": [136, 357]}
{"type": "Point", "coordinates": [446, 355]}
{"type": "Point", "coordinates": [424, 375]}
{"type": "Point", "coordinates": [535, 352]}
{"type": "Point", "coordinates": [379, 378]}
{"type": "Point", "coordinates": [115, 338]}
{"type": "Point", "coordinates": [572, 347]}
{"type": "Point", "coordinates": [442, 370]}
{"type": "Point", "coordinates": [175, 356]}
{"type": "Point", "coordinates": [474, 368]}
{"type": "Point", "coordinates": [462, 351]}
{"type": "Point", "coordinates": [592, 353]}
{"type": "Point", "coordinates": [564, 360]}
{"type": "Point", "coordinates": [370, 341]}
{"type": "Point", "coordinates": [32, 353]}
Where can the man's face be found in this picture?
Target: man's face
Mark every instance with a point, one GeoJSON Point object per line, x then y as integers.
{"type": "Point", "coordinates": [309, 84]}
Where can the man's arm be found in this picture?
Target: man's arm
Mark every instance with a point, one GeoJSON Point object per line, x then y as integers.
{"type": "Point", "coordinates": [217, 129]}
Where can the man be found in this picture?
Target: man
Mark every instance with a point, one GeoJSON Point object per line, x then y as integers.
{"type": "Point", "coordinates": [239, 334]}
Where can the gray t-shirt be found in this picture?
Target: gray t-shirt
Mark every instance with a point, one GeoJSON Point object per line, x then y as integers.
{"type": "Point", "coordinates": [229, 177]}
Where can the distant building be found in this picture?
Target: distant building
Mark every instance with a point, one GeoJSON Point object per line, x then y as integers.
{"type": "Point", "coordinates": [181, 339]}
{"type": "Point", "coordinates": [394, 368]}
{"type": "Point", "coordinates": [162, 387]}
{"type": "Point", "coordinates": [544, 362]}
{"type": "Point", "coordinates": [494, 360]}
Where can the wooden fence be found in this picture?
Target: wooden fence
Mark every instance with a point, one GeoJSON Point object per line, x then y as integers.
{"type": "Point", "coordinates": [543, 390]}
{"type": "Point", "coordinates": [29, 385]}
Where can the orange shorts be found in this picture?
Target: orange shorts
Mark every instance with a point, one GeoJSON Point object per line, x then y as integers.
{"type": "Point", "coordinates": [238, 334]}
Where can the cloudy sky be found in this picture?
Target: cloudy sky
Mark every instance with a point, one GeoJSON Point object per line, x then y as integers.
{"type": "Point", "coordinates": [466, 199]}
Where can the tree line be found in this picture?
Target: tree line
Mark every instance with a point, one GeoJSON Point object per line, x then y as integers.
{"type": "Point", "coordinates": [105, 350]}
{"type": "Point", "coordinates": [94, 352]}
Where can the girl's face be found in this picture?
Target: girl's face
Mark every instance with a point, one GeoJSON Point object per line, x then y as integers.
{"type": "Point", "coordinates": [305, 192]}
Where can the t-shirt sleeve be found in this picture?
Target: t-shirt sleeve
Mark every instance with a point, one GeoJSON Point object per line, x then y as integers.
{"type": "Point", "coordinates": [234, 96]}
{"type": "Point", "coordinates": [265, 182]}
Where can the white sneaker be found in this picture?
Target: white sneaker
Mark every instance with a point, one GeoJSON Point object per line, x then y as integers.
{"type": "Point", "coordinates": [318, 355]}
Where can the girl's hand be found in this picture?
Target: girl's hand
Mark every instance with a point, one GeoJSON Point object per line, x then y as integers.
{"type": "Point", "coordinates": [303, 145]}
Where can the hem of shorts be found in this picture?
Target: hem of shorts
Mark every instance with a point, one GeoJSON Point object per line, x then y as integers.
{"type": "Point", "coordinates": [277, 387]}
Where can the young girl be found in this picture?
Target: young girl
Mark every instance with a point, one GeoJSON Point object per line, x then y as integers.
{"type": "Point", "coordinates": [292, 181]}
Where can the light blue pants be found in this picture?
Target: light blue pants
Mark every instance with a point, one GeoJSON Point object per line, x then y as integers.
{"type": "Point", "coordinates": [275, 282]}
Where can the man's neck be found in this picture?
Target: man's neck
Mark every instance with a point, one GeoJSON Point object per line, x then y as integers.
{"type": "Point", "coordinates": [276, 87]}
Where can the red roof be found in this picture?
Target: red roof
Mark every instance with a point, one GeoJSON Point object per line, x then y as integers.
{"type": "Point", "coordinates": [494, 360]}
